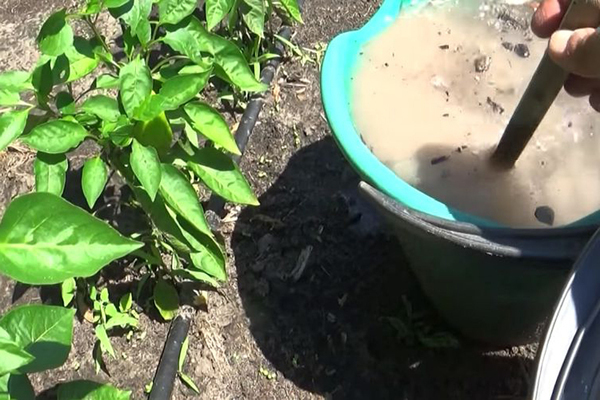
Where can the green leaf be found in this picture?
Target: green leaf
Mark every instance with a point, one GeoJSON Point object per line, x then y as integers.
{"type": "Point", "coordinates": [107, 82]}
{"type": "Point", "coordinates": [56, 34]}
{"type": "Point", "coordinates": [111, 310]}
{"type": "Point", "coordinates": [50, 173]}
{"type": "Point", "coordinates": [91, 7]}
{"type": "Point", "coordinates": [193, 40]}
{"type": "Point", "coordinates": [104, 107]}
{"type": "Point", "coordinates": [122, 320]}
{"type": "Point", "coordinates": [253, 14]}
{"type": "Point", "coordinates": [13, 356]}
{"type": "Point", "coordinates": [188, 381]}
{"type": "Point", "coordinates": [12, 125]}
{"type": "Point", "coordinates": [17, 81]}
{"type": "Point", "coordinates": [195, 275]}
{"type": "Point", "coordinates": [60, 69]}
{"type": "Point", "coordinates": [104, 296]}
{"type": "Point", "coordinates": [173, 11]}
{"type": "Point", "coordinates": [174, 92]}
{"type": "Point", "coordinates": [42, 80]}
{"type": "Point", "coordinates": [183, 353]}
{"type": "Point", "coordinates": [211, 124]}
{"type": "Point", "coordinates": [146, 167]}
{"type": "Point", "coordinates": [56, 136]}
{"type": "Point", "coordinates": [114, 3]}
{"type": "Point", "coordinates": [222, 175]}
{"type": "Point", "coordinates": [137, 17]}
{"type": "Point", "coordinates": [135, 85]}
{"type": "Point", "coordinates": [45, 240]}
{"type": "Point", "coordinates": [65, 103]}
{"type": "Point", "coordinates": [67, 291]}
{"type": "Point", "coordinates": [43, 331]}
{"type": "Point", "coordinates": [88, 390]}
{"type": "Point", "coordinates": [166, 299]}
{"type": "Point", "coordinates": [9, 97]}
{"type": "Point", "coordinates": [210, 261]}
{"type": "Point", "coordinates": [82, 59]}
{"type": "Point", "coordinates": [181, 196]}
{"type": "Point", "coordinates": [16, 387]}
{"type": "Point", "coordinates": [292, 8]}
{"type": "Point", "coordinates": [125, 302]}
{"type": "Point", "coordinates": [216, 10]}
{"type": "Point", "coordinates": [105, 344]}
{"type": "Point", "coordinates": [93, 179]}
{"type": "Point", "coordinates": [181, 89]}
{"type": "Point", "coordinates": [144, 32]}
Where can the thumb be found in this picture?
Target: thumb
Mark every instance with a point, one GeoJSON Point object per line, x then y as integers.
{"type": "Point", "coordinates": [577, 52]}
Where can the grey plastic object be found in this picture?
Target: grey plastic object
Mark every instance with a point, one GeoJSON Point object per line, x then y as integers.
{"type": "Point", "coordinates": [569, 358]}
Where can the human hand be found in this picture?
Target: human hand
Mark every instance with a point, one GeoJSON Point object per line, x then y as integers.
{"type": "Point", "coordinates": [577, 51]}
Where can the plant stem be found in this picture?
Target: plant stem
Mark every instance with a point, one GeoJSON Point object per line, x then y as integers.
{"type": "Point", "coordinates": [166, 61]}
{"type": "Point", "coordinates": [98, 15]}
{"type": "Point", "coordinates": [96, 33]}
{"type": "Point", "coordinates": [152, 41]}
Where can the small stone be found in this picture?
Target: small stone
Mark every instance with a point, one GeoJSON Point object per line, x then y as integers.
{"type": "Point", "coordinates": [482, 63]}
{"type": "Point", "coordinates": [522, 50]}
{"type": "Point", "coordinates": [444, 47]}
{"type": "Point", "coordinates": [545, 215]}
{"type": "Point", "coordinates": [508, 46]}
{"type": "Point", "coordinates": [266, 243]}
{"type": "Point", "coordinates": [445, 115]}
{"type": "Point", "coordinates": [387, 64]}
{"type": "Point", "coordinates": [440, 159]}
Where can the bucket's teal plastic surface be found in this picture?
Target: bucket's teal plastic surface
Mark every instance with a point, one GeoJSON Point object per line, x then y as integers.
{"type": "Point", "coordinates": [493, 283]}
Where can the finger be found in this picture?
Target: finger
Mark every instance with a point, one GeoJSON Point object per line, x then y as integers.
{"type": "Point", "coordinates": [577, 52]}
{"type": "Point", "coordinates": [595, 100]}
{"type": "Point", "coordinates": [547, 17]}
{"type": "Point", "coordinates": [578, 86]}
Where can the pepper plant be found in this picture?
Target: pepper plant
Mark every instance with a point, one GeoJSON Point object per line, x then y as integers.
{"type": "Point", "coordinates": [145, 109]}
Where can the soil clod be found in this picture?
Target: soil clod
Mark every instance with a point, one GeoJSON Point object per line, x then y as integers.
{"type": "Point", "coordinates": [440, 159]}
{"type": "Point", "coordinates": [482, 63]}
{"type": "Point", "coordinates": [545, 215]}
{"type": "Point", "coordinates": [497, 108]}
{"type": "Point", "coordinates": [522, 50]}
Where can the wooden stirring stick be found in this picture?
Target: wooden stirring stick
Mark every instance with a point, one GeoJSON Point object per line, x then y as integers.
{"type": "Point", "coordinates": [541, 92]}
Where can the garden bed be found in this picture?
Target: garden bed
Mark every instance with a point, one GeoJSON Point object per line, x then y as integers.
{"type": "Point", "coordinates": [281, 328]}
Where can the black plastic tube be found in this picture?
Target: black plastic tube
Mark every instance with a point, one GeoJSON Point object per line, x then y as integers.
{"type": "Point", "coordinates": [162, 386]}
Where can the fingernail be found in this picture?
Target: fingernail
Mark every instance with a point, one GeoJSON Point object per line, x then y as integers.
{"type": "Point", "coordinates": [558, 43]}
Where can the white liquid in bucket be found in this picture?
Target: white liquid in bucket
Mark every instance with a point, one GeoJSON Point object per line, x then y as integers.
{"type": "Point", "coordinates": [432, 97]}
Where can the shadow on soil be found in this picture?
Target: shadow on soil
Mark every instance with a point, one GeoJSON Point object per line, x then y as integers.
{"type": "Point", "coordinates": [351, 321]}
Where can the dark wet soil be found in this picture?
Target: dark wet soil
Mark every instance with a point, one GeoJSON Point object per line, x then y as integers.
{"type": "Point", "coordinates": [318, 290]}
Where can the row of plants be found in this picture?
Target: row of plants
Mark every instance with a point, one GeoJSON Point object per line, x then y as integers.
{"type": "Point", "coordinates": [146, 110]}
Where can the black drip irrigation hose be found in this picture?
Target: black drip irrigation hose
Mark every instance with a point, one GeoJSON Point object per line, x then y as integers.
{"type": "Point", "coordinates": [163, 383]}
{"type": "Point", "coordinates": [164, 379]}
